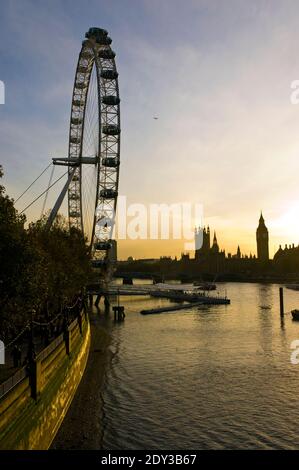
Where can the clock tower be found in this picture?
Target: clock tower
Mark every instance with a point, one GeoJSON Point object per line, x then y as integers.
{"type": "Point", "coordinates": [262, 240]}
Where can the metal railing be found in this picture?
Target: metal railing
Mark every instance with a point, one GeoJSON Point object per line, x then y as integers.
{"type": "Point", "coordinates": [49, 349]}
{"type": "Point", "coordinates": [22, 373]}
{"type": "Point", "coordinates": [10, 383]}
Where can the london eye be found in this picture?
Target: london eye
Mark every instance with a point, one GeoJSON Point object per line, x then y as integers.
{"type": "Point", "coordinates": [94, 147]}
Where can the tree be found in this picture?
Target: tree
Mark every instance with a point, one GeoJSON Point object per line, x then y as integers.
{"type": "Point", "coordinates": [41, 270]}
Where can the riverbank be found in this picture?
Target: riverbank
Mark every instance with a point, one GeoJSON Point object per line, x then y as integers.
{"type": "Point", "coordinates": [82, 425]}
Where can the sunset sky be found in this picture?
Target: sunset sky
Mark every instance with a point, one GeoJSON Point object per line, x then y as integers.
{"type": "Point", "coordinates": [218, 76]}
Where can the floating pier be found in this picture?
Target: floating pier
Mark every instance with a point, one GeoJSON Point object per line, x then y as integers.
{"type": "Point", "coordinates": [173, 308]}
{"type": "Point", "coordinates": [177, 293]}
{"type": "Point", "coordinates": [189, 297]}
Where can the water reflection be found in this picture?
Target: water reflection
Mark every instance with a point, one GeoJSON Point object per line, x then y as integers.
{"type": "Point", "coordinates": [214, 377]}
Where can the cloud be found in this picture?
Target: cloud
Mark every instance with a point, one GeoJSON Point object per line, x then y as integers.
{"type": "Point", "coordinates": [217, 74]}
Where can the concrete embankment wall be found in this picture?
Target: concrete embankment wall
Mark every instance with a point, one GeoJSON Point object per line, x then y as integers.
{"type": "Point", "coordinates": [34, 403]}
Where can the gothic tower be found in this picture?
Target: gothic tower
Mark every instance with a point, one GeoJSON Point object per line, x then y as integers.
{"type": "Point", "coordinates": [215, 246]}
{"type": "Point", "coordinates": [262, 240]}
{"type": "Point", "coordinates": [202, 241]}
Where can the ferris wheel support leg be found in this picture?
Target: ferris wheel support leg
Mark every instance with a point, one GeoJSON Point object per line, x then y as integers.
{"type": "Point", "coordinates": [59, 200]}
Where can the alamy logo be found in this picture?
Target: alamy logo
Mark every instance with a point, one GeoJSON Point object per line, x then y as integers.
{"type": "Point", "coordinates": [154, 222]}
{"type": "Point", "coordinates": [2, 92]}
{"type": "Point", "coordinates": [2, 353]}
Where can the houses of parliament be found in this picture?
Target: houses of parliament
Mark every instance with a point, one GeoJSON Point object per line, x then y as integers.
{"type": "Point", "coordinates": [204, 249]}
{"type": "Point", "coordinates": [209, 258]}
{"type": "Point", "coordinates": [210, 262]}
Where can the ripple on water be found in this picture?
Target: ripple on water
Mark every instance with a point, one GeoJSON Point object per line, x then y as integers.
{"type": "Point", "coordinates": [213, 378]}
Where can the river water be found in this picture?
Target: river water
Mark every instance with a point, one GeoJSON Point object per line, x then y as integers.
{"type": "Point", "coordinates": [215, 377]}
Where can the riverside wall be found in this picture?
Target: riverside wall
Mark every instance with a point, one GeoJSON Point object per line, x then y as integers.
{"type": "Point", "coordinates": [34, 402]}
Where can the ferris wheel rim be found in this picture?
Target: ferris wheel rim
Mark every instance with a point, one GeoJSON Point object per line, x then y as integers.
{"type": "Point", "coordinates": [101, 59]}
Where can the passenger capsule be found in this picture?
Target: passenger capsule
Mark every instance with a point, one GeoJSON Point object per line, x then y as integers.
{"type": "Point", "coordinates": [110, 162]}
{"type": "Point", "coordinates": [103, 246]}
{"type": "Point", "coordinates": [74, 214]}
{"type": "Point", "coordinates": [111, 129]}
{"type": "Point", "coordinates": [86, 54]}
{"type": "Point", "coordinates": [110, 100]}
{"type": "Point", "coordinates": [104, 40]}
{"type": "Point", "coordinates": [108, 193]}
{"type": "Point", "coordinates": [106, 53]}
{"type": "Point", "coordinates": [82, 68]}
{"type": "Point", "coordinates": [81, 85]}
{"type": "Point", "coordinates": [77, 103]}
{"type": "Point", "coordinates": [75, 140]}
{"type": "Point", "coordinates": [109, 74]}
{"type": "Point", "coordinates": [96, 32]}
{"type": "Point", "coordinates": [74, 196]}
{"type": "Point", "coordinates": [76, 121]}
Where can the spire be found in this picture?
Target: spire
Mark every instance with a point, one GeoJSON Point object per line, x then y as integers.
{"type": "Point", "coordinates": [262, 224]}
{"type": "Point", "coordinates": [215, 247]}
{"type": "Point", "coordinates": [262, 240]}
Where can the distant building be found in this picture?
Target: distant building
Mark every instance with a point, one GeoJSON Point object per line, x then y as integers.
{"type": "Point", "coordinates": [209, 257]}
{"type": "Point", "coordinates": [262, 240]}
{"type": "Point", "coordinates": [202, 242]}
{"type": "Point", "coordinates": [208, 254]}
{"type": "Point", "coordinates": [215, 246]}
{"type": "Point", "coordinates": [148, 260]}
{"type": "Point", "coordinates": [237, 255]}
{"type": "Point", "coordinates": [185, 257]}
{"type": "Point", "coordinates": [211, 262]}
{"type": "Point", "coordinates": [287, 259]}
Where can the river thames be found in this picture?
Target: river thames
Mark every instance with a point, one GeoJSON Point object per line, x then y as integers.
{"type": "Point", "coordinates": [214, 377]}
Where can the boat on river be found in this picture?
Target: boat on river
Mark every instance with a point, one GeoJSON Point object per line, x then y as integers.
{"type": "Point", "coordinates": [178, 295]}
{"type": "Point", "coordinates": [205, 285]}
{"type": "Point", "coordinates": [185, 292]}
{"type": "Point", "coordinates": [292, 286]}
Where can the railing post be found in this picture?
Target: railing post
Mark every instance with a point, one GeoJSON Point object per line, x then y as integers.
{"type": "Point", "coordinates": [35, 378]}
{"type": "Point", "coordinates": [34, 366]}
{"type": "Point", "coordinates": [281, 302]}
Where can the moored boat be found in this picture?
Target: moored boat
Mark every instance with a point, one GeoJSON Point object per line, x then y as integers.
{"type": "Point", "coordinates": [292, 286]}
{"type": "Point", "coordinates": [205, 285]}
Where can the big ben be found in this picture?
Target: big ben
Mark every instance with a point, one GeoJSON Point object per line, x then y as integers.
{"type": "Point", "coordinates": [262, 240]}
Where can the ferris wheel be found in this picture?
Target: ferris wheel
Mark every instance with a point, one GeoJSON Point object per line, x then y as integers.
{"type": "Point", "coordinates": [94, 146]}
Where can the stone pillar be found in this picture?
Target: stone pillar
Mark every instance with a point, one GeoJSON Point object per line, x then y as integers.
{"type": "Point", "coordinates": [35, 378]}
